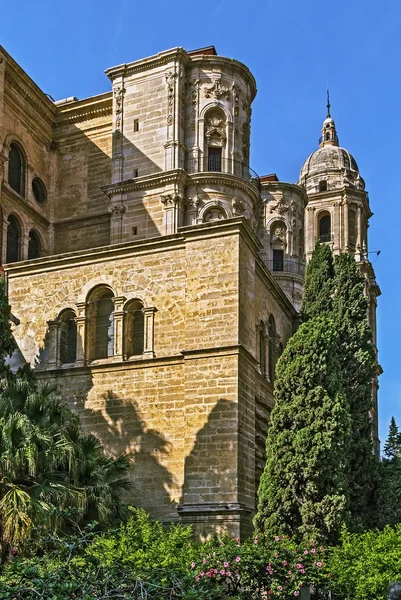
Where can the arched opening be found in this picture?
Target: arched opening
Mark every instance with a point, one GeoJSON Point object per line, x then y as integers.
{"type": "Point", "coordinates": [278, 238]}
{"type": "Point", "coordinates": [215, 213]}
{"type": "Point", "coordinates": [323, 186]}
{"type": "Point", "coordinates": [33, 245]}
{"type": "Point", "coordinates": [68, 337]}
{"type": "Point", "coordinates": [13, 251]}
{"type": "Point", "coordinates": [325, 227]}
{"type": "Point", "coordinates": [39, 190]}
{"type": "Point", "coordinates": [272, 348]}
{"type": "Point", "coordinates": [101, 323]}
{"type": "Point", "coordinates": [215, 139]}
{"type": "Point", "coordinates": [262, 348]}
{"type": "Point", "coordinates": [16, 170]}
{"type": "Point", "coordinates": [134, 328]}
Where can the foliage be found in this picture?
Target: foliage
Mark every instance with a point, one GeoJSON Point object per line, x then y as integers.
{"type": "Point", "coordinates": [141, 560]}
{"type": "Point", "coordinates": [364, 564]}
{"type": "Point", "coordinates": [392, 447]}
{"type": "Point", "coordinates": [303, 490]}
{"type": "Point", "coordinates": [358, 368]}
{"type": "Point", "coordinates": [46, 461]}
{"type": "Point", "coordinates": [272, 565]}
{"type": "Point", "coordinates": [7, 343]}
{"type": "Point", "coordinates": [319, 283]}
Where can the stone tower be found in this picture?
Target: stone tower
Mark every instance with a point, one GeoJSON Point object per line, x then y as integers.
{"type": "Point", "coordinates": [337, 214]}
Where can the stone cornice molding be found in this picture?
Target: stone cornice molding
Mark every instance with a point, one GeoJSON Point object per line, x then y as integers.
{"type": "Point", "coordinates": [85, 110]}
{"type": "Point", "coordinates": [227, 179]}
{"type": "Point", "coordinates": [27, 89]}
{"type": "Point", "coordinates": [178, 177]}
{"type": "Point", "coordinates": [151, 62]}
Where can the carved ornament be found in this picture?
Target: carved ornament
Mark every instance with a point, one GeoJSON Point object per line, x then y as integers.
{"type": "Point", "coordinates": [171, 199]}
{"type": "Point", "coordinates": [170, 80]}
{"type": "Point", "coordinates": [216, 90]}
{"type": "Point", "coordinates": [117, 210]}
{"type": "Point", "coordinates": [216, 125]}
{"type": "Point", "coordinates": [280, 207]}
{"type": "Point", "coordinates": [119, 92]}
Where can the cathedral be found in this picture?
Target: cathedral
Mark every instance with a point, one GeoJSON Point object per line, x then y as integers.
{"type": "Point", "coordinates": [156, 278]}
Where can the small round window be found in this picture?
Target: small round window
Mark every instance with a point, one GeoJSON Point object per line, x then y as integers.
{"type": "Point", "coordinates": [39, 190]}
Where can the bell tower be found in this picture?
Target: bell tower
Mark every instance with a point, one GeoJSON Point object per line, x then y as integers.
{"type": "Point", "coordinates": [338, 214]}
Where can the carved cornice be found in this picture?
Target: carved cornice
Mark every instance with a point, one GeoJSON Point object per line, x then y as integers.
{"type": "Point", "coordinates": [157, 60]}
{"type": "Point", "coordinates": [225, 179]}
{"type": "Point", "coordinates": [178, 177]}
{"type": "Point", "coordinates": [85, 110]}
{"type": "Point", "coordinates": [226, 65]}
{"type": "Point", "coordinates": [27, 89]}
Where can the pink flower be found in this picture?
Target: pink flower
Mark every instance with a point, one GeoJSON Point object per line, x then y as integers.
{"type": "Point", "coordinates": [280, 587]}
{"type": "Point", "coordinates": [276, 555]}
{"type": "Point", "coordinates": [208, 574]}
{"type": "Point", "coordinates": [226, 564]}
{"type": "Point", "coordinates": [193, 565]}
{"type": "Point", "coordinates": [303, 571]}
{"type": "Point", "coordinates": [313, 550]}
{"type": "Point", "coordinates": [222, 572]}
{"type": "Point", "coordinates": [201, 573]}
{"type": "Point", "coordinates": [277, 538]}
{"type": "Point", "coordinates": [255, 541]}
{"type": "Point", "coordinates": [285, 563]}
{"type": "Point", "coordinates": [319, 564]}
{"type": "Point", "coordinates": [228, 574]}
{"type": "Point", "coordinates": [289, 572]}
{"type": "Point", "coordinates": [305, 552]}
{"type": "Point", "coordinates": [296, 593]}
{"type": "Point", "coordinates": [196, 578]}
{"type": "Point", "coordinates": [215, 571]}
{"type": "Point", "coordinates": [237, 540]}
{"type": "Point", "coordinates": [204, 560]}
{"type": "Point", "coordinates": [238, 559]}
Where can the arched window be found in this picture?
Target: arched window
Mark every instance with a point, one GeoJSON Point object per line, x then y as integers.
{"type": "Point", "coordinates": [33, 245]}
{"type": "Point", "coordinates": [68, 337]}
{"type": "Point", "coordinates": [272, 348]}
{"type": "Point", "coordinates": [215, 213]}
{"type": "Point", "coordinates": [13, 240]}
{"type": "Point", "coordinates": [215, 139]}
{"type": "Point", "coordinates": [100, 323]}
{"type": "Point", "coordinates": [325, 228]}
{"type": "Point", "coordinates": [262, 348]}
{"type": "Point", "coordinates": [16, 170]}
{"type": "Point", "coordinates": [134, 328]}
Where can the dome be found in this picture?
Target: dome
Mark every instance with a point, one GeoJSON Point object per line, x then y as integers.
{"type": "Point", "coordinates": [329, 158]}
{"type": "Point", "coordinates": [330, 166]}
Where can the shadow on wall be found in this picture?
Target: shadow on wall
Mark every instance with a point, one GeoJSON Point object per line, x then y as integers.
{"type": "Point", "coordinates": [210, 473]}
{"type": "Point", "coordinates": [83, 218]}
{"type": "Point", "coordinates": [121, 429]}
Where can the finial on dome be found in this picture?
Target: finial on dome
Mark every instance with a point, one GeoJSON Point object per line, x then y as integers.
{"type": "Point", "coordinates": [329, 133]}
{"type": "Point", "coordinates": [328, 103]}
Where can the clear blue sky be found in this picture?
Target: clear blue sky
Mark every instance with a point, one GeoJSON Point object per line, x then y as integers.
{"type": "Point", "coordinates": [293, 48]}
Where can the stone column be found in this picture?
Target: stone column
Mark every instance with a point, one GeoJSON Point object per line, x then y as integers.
{"type": "Point", "coordinates": [118, 137]}
{"type": "Point", "coordinates": [54, 344]}
{"type": "Point", "coordinates": [149, 318]}
{"type": "Point", "coordinates": [81, 321]}
{"type": "Point", "coordinates": [346, 225]}
{"type": "Point", "coordinates": [173, 211]}
{"type": "Point", "coordinates": [116, 222]}
{"type": "Point", "coordinates": [3, 249]}
{"type": "Point", "coordinates": [118, 319]}
{"type": "Point", "coordinates": [359, 235]}
{"type": "Point", "coordinates": [24, 246]}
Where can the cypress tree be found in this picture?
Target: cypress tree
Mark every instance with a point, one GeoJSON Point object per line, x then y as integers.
{"type": "Point", "coordinates": [358, 366]}
{"type": "Point", "coordinates": [392, 447]}
{"type": "Point", "coordinates": [304, 487]}
{"type": "Point", "coordinates": [319, 283]}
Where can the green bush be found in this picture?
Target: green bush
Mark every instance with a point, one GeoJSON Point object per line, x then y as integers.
{"type": "Point", "coordinates": [364, 564]}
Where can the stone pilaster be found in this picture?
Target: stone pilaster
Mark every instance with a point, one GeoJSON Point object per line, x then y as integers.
{"type": "Point", "coordinates": [54, 344]}
{"type": "Point", "coordinates": [81, 321]}
{"type": "Point", "coordinates": [118, 320]}
{"type": "Point", "coordinates": [149, 319]}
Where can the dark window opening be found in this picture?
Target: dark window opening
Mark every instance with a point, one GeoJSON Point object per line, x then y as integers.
{"type": "Point", "coordinates": [323, 186]}
{"type": "Point", "coordinates": [68, 338]}
{"type": "Point", "coordinates": [214, 159]}
{"type": "Point", "coordinates": [278, 260]}
{"type": "Point", "coordinates": [13, 240]}
{"type": "Point", "coordinates": [16, 170]}
{"type": "Point", "coordinates": [325, 228]}
{"type": "Point", "coordinates": [135, 328]}
{"type": "Point", "coordinates": [39, 190]}
{"type": "Point", "coordinates": [33, 245]}
{"type": "Point", "coordinates": [104, 338]}
{"type": "Point", "coordinates": [136, 125]}
{"type": "Point", "coordinates": [136, 173]}
{"type": "Point", "coordinates": [134, 230]}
